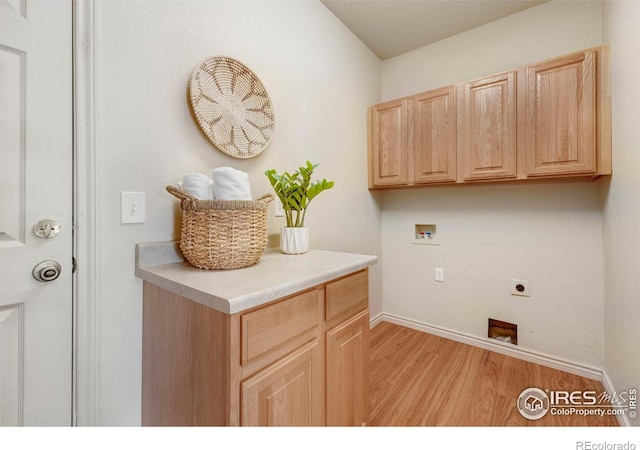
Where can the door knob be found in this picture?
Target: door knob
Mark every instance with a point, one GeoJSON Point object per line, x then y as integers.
{"type": "Point", "coordinates": [47, 228]}
{"type": "Point", "coordinates": [47, 271]}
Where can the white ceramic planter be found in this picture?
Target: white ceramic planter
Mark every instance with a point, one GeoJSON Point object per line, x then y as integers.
{"type": "Point", "coordinates": [294, 240]}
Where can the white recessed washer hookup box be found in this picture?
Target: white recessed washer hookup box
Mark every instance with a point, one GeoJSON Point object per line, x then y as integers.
{"type": "Point", "coordinates": [425, 233]}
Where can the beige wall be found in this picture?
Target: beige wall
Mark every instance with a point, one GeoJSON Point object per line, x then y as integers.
{"type": "Point", "coordinates": [321, 80]}
{"type": "Point", "coordinates": [535, 34]}
{"type": "Point", "coordinates": [549, 234]}
{"type": "Point", "coordinates": [620, 21]}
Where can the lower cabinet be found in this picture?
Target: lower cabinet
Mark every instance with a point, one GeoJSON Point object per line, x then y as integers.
{"type": "Point", "coordinates": [347, 372]}
{"type": "Point", "coordinates": [297, 361]}
{"type": "Point", "coordinates": [287, 393]}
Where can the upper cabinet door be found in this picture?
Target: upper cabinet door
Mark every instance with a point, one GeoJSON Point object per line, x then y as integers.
{"type": "Point", "coordinates": [434, 138]}
{"type": "Point", "coordinates": [561, 116]}
{"type": "Point", "coordinates": [488, 128]}
{"type": "Point", "coordinates": [389, 150]}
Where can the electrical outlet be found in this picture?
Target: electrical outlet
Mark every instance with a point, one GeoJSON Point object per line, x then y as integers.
{"type": "Point", "coordinates": [520, 287]}
{"type": "Point", "coordinates": [279, 208]}
{"type": "Point", "coordinates": [439, 274]}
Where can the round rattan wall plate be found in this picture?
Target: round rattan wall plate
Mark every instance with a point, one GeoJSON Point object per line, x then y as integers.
{"type": "Point", "coordinates": [232, 107]}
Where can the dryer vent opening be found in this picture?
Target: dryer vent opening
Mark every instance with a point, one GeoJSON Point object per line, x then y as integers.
{"type": "Point", "coordinates": [503, 331]}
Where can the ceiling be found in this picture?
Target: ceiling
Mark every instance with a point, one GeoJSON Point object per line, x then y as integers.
{"type": "Point", "coordinates": [392, 27]}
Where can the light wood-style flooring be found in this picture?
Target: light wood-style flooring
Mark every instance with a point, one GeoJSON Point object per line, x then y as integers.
{"type": "Point", "coordinates": [418, 379]}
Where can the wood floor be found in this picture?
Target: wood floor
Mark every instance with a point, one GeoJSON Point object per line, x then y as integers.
{"type": "Point", "coordinates": [418, 379]}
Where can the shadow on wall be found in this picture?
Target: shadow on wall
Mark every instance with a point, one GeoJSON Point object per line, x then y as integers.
{"type": "Point", "coordinates": [532, 197]}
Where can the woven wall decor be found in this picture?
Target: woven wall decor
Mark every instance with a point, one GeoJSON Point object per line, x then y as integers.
{"type": "Point", "coordinates": [232, 107]}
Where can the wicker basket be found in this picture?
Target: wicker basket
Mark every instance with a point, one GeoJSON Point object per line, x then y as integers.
{"type": "Point", "coordinates": [232, 107]}
{"type": "Point", "coordinates": [222, 234]}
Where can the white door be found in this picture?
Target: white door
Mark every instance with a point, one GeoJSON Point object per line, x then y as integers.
{"type": "Point", "coordinates": [35, 183]}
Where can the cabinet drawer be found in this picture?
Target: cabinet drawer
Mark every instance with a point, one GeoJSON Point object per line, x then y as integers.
{"type": "Point", "coordinates": [277, 329]}
{"type": "Point", "coordinates": [346, 296]}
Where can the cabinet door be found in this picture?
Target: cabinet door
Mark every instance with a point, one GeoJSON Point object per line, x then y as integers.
{"type": "Point", "coordinates": [434, 136]}
{"type": "Point", "coordinates": [488, 128]}
{"type": "Point", "coordinates": [389, 143]}
{"type": "Point", "coordinates": [287, 393]}
{"type": "Point", "coordinates": [561, 116]}
{"type": "Point", "coordinates": [347, 372]}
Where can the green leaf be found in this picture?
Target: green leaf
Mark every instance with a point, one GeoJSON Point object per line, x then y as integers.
{"type": "Point", "coordinates": [295, 191]}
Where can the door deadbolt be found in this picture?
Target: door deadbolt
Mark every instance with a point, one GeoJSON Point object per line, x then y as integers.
{"type": "Point", "coordinates": [47, 228]}
{"type": "Point", "coordinates": [47, 271]}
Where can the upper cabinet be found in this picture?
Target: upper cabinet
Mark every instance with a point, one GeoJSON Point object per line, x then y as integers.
{"type": "Point", "coordinates": [561, 116]}
{"type": "Point", "coordinates": [434, 136]}
{"type": "Point", "coordinates": [545, 120]}
{"type": "Point", "coordinates": [487, 137]}
{"type": "Point", "coordinates": [413, 140]}
{"type": "Point", "coordinates": [389, 152]}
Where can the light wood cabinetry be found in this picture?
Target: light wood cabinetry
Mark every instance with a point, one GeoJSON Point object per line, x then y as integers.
{"type": "Point", "coordinates": [434, 136]}
{"type": "Point", "coordinates": [488, 128]}
{"type": "Point", "coordinates": [546, 120]}
{"type": "Point", "coordinates": [561, 116]}
{"type": "Point", "coordinates": [300, 360]}
{"type": "Point", "coordinates": [347, 372]}
{"type": "Point", "coordinates": [287, 393]}
{"type": "Point", "coordinates": [347, 340]}
{"type": "Point", "coordinates": [267, 334]}
{"type": "Point", "coordinates": [413, 140]}
{"type": "Point", "coordinates": [390, 145]}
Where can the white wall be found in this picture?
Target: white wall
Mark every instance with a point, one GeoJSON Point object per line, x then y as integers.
{"type": "Point", "coordinates": [622, 207]}
{"type": "Point", "coordinates": [549, 234]}
{"type": "Point", "coordinates": [321, 80]}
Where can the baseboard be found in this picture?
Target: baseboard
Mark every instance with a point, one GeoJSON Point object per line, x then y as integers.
{"type": "Point", "coordinates": [504, 348]}
{"type": "Point", "coordinates": [623, 420]}
{"type": "Point", "coordinates": [375, 321]}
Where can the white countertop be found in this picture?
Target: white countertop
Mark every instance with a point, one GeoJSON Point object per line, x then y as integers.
{"type": "Point", "coordinates": [274, 276]}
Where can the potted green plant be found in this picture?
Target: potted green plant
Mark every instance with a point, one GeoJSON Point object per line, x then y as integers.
{"type": "Point", "coordinates": [296, 191]}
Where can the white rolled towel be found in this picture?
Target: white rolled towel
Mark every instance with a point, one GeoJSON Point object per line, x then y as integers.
{"type": "Point", "coordinates": [230, 184]}
{"type": "Point", "coordinates": [197, 184]}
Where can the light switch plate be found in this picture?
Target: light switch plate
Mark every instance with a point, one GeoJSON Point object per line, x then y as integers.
{"type": "Point", "coordinates": [133, 207]}
{"type": "Point", "coordinates": [439, 274]}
